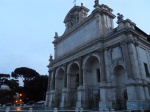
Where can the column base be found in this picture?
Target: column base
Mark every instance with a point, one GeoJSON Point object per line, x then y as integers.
{"type": "Point", "coordinates": [102, 105]}
{"type": "Point", "coordinates": [52, 99]}
{"type": "Point", "coordinates": [47, 98]}
{"type": "Point", "coordinates": [64, 100]}
{"type": "Point", "coordinates": [64, 104]}
{"type": "Point", "coordinates": [144, 104]}
{"type": "Point", "coordinates": [80, 97]}
{"type": "Point", "coordinates": [132, 105]}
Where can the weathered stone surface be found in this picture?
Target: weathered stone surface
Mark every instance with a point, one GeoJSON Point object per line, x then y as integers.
{"type": "Point", "coordinates": [99, 66]}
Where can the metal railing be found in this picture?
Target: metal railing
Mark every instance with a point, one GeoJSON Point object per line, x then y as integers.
{"type": "Point", "coordinates": [30, 109]}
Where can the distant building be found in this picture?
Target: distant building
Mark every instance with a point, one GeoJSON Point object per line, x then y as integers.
{"type": "Point", "coordinates": [98, 66]}
{"type": "Point", "coordinates": [4, 87]}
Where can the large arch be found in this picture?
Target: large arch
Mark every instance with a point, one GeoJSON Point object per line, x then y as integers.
{"type": "Point", "coordinates": [60, 75]}
{"type": "Point", "coordinates": [74, 76]}
{"type": "Point", "coordinates": [59, 85]}
{"type": "Point", "coordinates": [91, 71]}
{"type": "Point", "coordinates": [73, 82]}
{"type": "Point", "coordinates": [91, 80]}
{"type": "Point", "coordinates": [120, 82]}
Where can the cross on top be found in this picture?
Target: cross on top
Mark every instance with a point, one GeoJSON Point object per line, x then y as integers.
{"type": "Point", "coordinates": [74, 2]}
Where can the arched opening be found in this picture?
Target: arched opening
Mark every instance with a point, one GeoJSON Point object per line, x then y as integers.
{"type": "Point", "coordinates": [60, 79]}
{"type": "Point", "coordinates": [91, 81]}
{"type": "Point", "coordinates": [60, 75]}
{"type": "Point", "coordinates": [121, 91]}
{"type": "Point", "coordinates": [73, 83]}
{"type": "Point", "coordinates": [74, 76]}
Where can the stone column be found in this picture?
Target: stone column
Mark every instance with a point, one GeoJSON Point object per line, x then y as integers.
{"type": "Point", "coordinates": [107, 65]}
{"type": "Point", "coordinates": [64, 97]}
{"type": "Point", "coordinates": [48, 90]}
{"type": "Point", "coordinates": [143, 95]}
{"type": "Point", "coordinates": [133, 60]}
{"type": "Point", "coordinates": [134, 85]}
{"type": "Point", "coordinates": [129, 56]}
{"type": "Point", "coordinates": [102, 60]}
{"type": "Point", "coordinates": [127, 59]}
{"type": "Point", "coordinates": [103, 86]}
{"type": "Point", "coordinates": [53, 80]}
{"type": "Point", "coordinates": [109, 77]}
{"type": "Point", "coordinates": [65, 78]}
{"type": "Point", "coordinates": [80, 73]}
{"type": "Point", "coordinates": [52, 91]}
{"type": "Point", "coordinates": [81, 89]}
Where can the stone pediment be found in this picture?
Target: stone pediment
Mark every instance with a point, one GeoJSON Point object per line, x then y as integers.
{"type": "Point", "coordinates": [74, 10]}
{"type": "Point", "coordinates": [75, 16]}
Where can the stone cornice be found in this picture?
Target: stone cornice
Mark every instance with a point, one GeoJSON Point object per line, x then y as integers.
{"type": "Point", "coordinates": [101, 11]}
{"type": "Point", "coordinates": [140, 38]}
{"type": "Point", "coordinates": [95, 45]}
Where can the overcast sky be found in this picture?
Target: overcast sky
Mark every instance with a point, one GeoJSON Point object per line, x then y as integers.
{"type": "Point", "coordinates": [27, 28]}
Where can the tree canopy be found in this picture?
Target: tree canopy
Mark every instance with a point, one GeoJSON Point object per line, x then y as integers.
{"type": "Point", "coordinates": [36, 89]}
{"type": "Point", "coordinates": [4, 76]}
{"type": "Point", "coordinates": [24, 73]}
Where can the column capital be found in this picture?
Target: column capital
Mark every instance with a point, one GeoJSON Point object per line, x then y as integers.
{"type": "Point", "coordinates": [101, 49]}
{"type": "Point", "coordinates": [124, 42]}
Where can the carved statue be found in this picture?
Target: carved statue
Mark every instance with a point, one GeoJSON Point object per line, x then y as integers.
{"type": "Point", "coordinates": [120, 17]}
{"type": "Point", "coordinates": [96, 2]}
{"type": "Point", "coordinates": [56, 34]}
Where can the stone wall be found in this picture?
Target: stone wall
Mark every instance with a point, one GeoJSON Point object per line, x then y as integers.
{"type": "Point", "coordinates": [76, 40]}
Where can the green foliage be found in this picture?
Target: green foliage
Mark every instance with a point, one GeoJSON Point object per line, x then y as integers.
{"type": "Point", "coordinates": [7, 95]}
{"type": "Point", "coordinates": [24, 73]}
{"type": "Point", "coordinates": [4, 76]}
{"type": "Point", "coordinates": [36, 88]}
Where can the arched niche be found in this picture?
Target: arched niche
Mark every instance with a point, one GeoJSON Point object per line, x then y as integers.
{"type": "Point", "coordinates": [91, 81]}
{"type": "Point", "coordinates": [120, 82]}
{"type": "Point", "coordinates": [73, 76]}
{"type": "Point", "coordinates": [91, 71]}
{"type": "Point", "coordinates": [59, 78]}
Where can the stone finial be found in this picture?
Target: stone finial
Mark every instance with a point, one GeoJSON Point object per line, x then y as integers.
{"type": "Point", "coordinates": [81, 4]}
{"type": "Point", "coordinates": [120, 17]}
{"type": "Point", "coordinates": [96, 2]}
{"type": "Point", "coordinates": [148, 38]}
{"type": "Point", "coordinates": [96, 5]}
{"type": "Point", "coordinates": [51, 58]}
{"type": "Point", "coordinates": [56, 35]}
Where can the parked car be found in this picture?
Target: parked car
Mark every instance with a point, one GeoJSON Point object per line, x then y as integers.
{"type": "Point", "coordinates": [31, 103]}
{"type": "Point", "coordinates": [8, 104]}
{"type": "Point", "coordinates": [41, 102]}
{"type": "Point", "coordinates": [20, 104]}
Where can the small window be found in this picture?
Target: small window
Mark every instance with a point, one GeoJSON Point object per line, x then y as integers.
{"type": "Point", "coordinates": [98, 75]}
{"type": "Point", "coordinates": [146, 69]}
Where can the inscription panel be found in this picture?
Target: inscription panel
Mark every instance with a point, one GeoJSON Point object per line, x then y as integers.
{"type": "Point", "coordinates": [78, 39]}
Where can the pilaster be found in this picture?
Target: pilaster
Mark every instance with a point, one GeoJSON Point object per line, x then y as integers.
{"type": "Point", "coordinates": [80, 97]}
{"type": "Point", "coordinates": [80, 71]}
{"type": "Point", "coordinates": [103, 96]}
{"type": "Point", "coordinates": [127, 59]}
{"type": "Point", "coordinates": [64, 98]}
{"type": "Point", "coordinates": [103, 72]}
{"type": "Point", "coordinates": [65, 76]}
{"type": "Point", "coordinates": [52, 102]}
